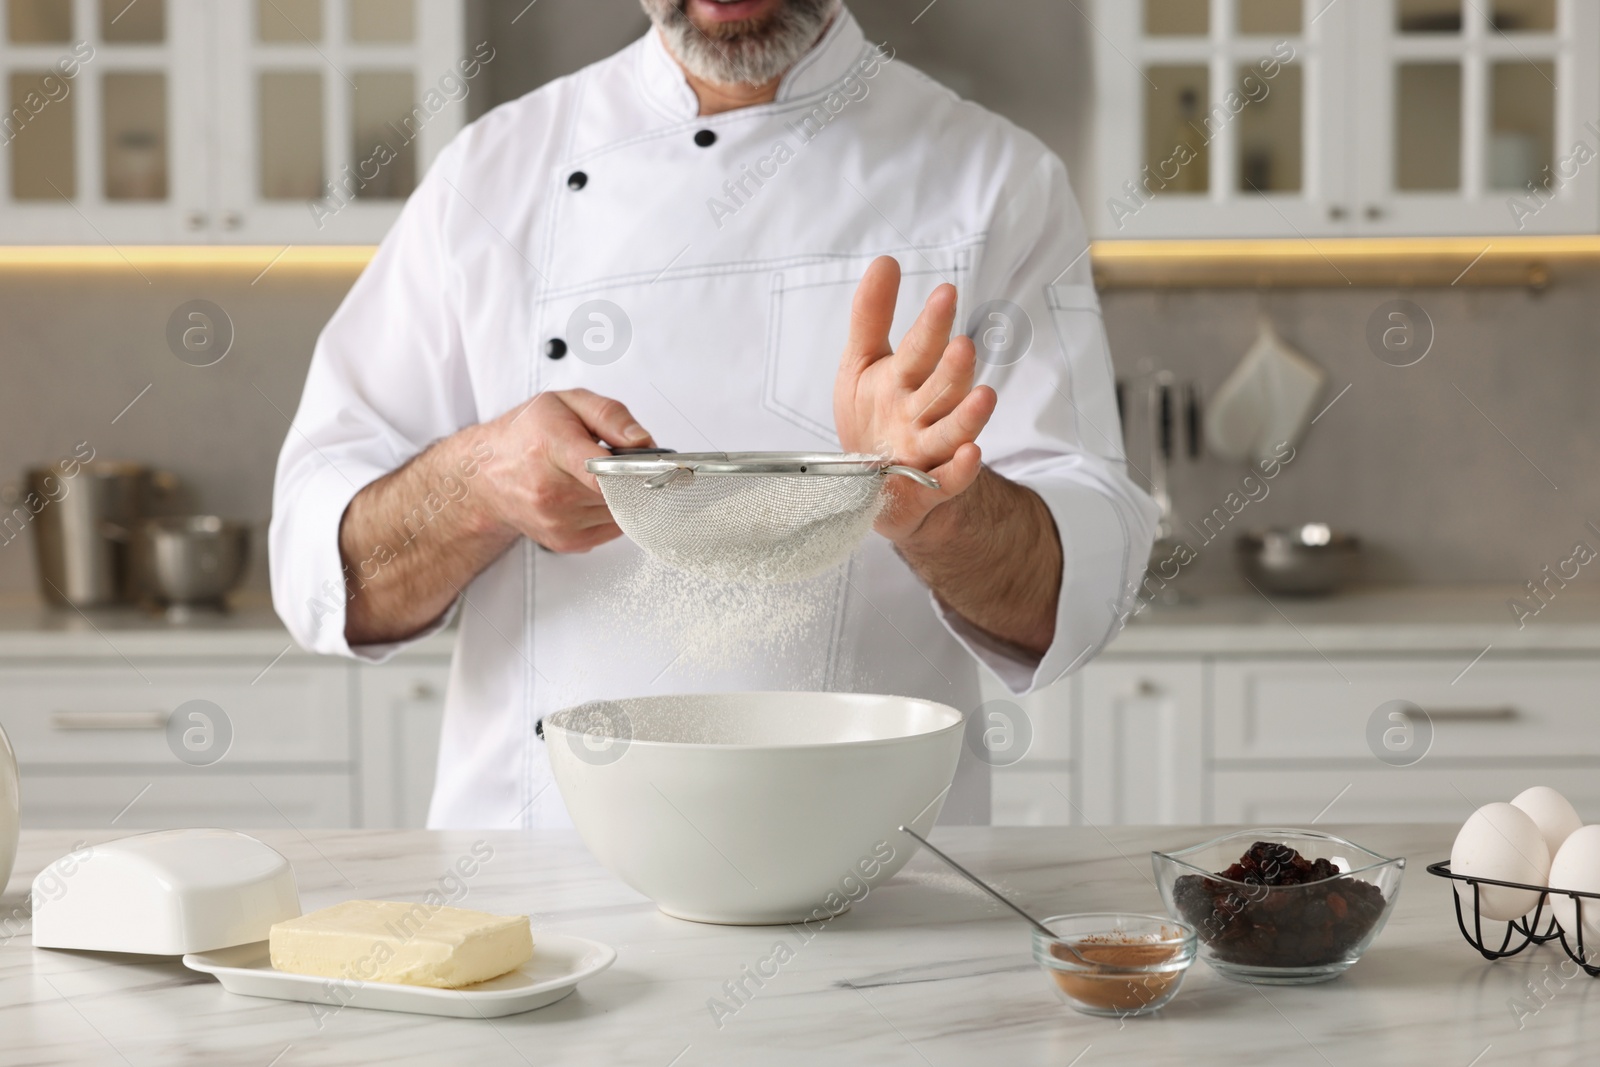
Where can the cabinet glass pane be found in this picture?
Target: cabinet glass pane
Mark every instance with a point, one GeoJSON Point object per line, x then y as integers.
{"type": "Point", "coordinates": [1525, 16]}
{"type": "Point", "coordinates": [1522, 119]}
{"type": "Point", "coordinates": [1428, 16]}
{"type": "Point", "coordinates": [1177, 18]}
{"type": "Point", "coordinates": [133, 21]}
{"type": "Point", "coordinates": [1271, 130]}
{"type": "Point", "coordinates": [135, 138]}
{"type": "Point", "coordinates": [39, 123]}
{"type": "Point", "coordinates": [1175, 109]}
{"type": "Point", "coordinates": [383, 20]}
{"type": "Point", "coordinates": [39, 21]}
{"type": "Point", "coordinates": [384, 146]}
{"type": "Point", "coordinates": [291, 135]}
{"type": "Point", "coordinates": [294, 21]}
{"type": "Point", "coordinates": [1427, 129]}
{"type": "Point", "coordinates": [1270, 16]}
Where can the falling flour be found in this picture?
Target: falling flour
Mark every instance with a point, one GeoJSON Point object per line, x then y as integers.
{"type": "Point", "coordinates": [711, 626]}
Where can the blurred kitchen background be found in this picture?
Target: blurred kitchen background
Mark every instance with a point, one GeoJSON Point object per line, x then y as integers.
{"type": "Point", "coordinates": [1387, 157]}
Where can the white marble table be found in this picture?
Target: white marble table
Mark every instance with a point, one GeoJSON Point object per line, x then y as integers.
{"type": "Point", "coordinates": [923, 972]}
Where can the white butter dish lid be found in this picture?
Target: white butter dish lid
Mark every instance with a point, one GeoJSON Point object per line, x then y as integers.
{"type": "Point", "coordinates": [164, 894]}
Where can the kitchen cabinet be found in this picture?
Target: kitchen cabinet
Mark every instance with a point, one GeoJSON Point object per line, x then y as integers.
{"type": "Point", "coordinates": [282, 739]}
{"type": "Point", "coordinates": [106, 714]}
{"type": "Point", "coordinates": [223, 121]}
{"type": "Point", "coordinates": [162, 801]}
{"type": "Point", "coordinates": [94, 745]}
{"type": "Point", "coordinates": [1302, 118]}
{"type": "Point", "coordinates": [1290, 739]}
{"type": "Point", "coordinates": [1143, 723]}
{"type": "Point", "coordinates": [401, 707]}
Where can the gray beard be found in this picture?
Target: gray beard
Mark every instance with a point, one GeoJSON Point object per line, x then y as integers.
{"type": "Point", "coordinates": [745, 53]}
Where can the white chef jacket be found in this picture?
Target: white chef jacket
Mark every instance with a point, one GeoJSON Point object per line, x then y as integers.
{"type": "Point", "coordinates": [734, 263]}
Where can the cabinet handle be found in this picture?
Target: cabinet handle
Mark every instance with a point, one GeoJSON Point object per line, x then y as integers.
{"type": "Point", "coordinates": [232, 221]}
{"type": "Point", "coordinates": [1374, 212]}
{"type": "Point", "coordinates": [1147, 688]}
{"type": "Point", "coordinates": [1336, 212]}
{"type": "Point", "coordinates": [195, 220]}
{"type": "Point", "coordinates": [1501, 714]}
{"type": "Point", "coordinates": [422, 691]}
{"type": "Point", "coordinates": [108, 720]}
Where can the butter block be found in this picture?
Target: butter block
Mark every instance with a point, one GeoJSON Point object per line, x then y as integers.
{"type": "Point", "coordinates": [406, 944]}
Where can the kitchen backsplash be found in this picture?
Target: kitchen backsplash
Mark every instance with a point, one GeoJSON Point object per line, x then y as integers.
{"type": "Point", "coordinates": [1472, 466]}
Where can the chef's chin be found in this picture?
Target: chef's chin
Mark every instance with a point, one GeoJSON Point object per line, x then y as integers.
{"type": "Point", "coordinates": [748, 51]}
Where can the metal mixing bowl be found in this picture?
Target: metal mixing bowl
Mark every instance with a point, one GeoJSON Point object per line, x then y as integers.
{"type": "Point", "coordinates": [1308, 560]}
{"type": "Point", "coordinates": [192, 560]}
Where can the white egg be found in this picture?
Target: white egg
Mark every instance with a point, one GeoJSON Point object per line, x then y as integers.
{"type": "Point", "coordinates": [1577, 866]}
{"type": "Point", "coordinates": [1504, 843]}
{"type": "Point", "coordinates": [1554, 814]}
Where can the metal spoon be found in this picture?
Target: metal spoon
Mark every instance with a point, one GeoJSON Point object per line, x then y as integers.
{"type": "Point", "coordinates": [981, 884]}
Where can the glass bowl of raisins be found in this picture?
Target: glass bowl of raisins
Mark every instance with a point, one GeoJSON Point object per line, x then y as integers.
{"type": "Point", "coordinates": [1280, 907]}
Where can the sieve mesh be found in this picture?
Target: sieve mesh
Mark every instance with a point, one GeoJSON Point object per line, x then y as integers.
{"type": "Point", "coordinates": [748, 527]}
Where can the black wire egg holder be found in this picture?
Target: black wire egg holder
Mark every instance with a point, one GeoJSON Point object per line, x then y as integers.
{"type": "Point", "coordinates": [1531, 927]}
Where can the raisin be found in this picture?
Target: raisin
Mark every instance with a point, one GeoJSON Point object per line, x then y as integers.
{"type": "Point", "coordinates": [1257, 923]}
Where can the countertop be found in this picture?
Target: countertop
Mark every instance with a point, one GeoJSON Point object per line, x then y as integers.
{"type": "Point", "coordinates": [250, 628]}
{"type": "Point", "coordinates": [1406, 619]}
{"type": "Point", "coordinates": [1415, 619]}
{"type": "Point", "coordinates": [921, 972]}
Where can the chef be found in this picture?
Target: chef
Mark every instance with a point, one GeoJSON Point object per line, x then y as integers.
{"type": "Point", "coordinates": [752, 229]}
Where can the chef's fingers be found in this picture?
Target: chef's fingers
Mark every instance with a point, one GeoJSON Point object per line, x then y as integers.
{"type": "Point", "coordinates": [592, 516]}
{"type": "Point", "coordinates": [871, 315]}
{"type": "Point", "coordinates": [961, 426]}
{"type": "Point", "coordinates": [922, 345]}
{"type": "Point", "coordinates": [607, 419]}
{"type": "Point", "coordinates": [570, 540]}
{"type": "Point", "coordinates": [568, 453]}
{"type": "Point", "coordinates": [957, 475]}
{"type": "Point", "coordinates": [949, 383]}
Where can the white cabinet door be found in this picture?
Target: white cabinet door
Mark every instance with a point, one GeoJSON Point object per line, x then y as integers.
{"type": "Point", "coordinates": [1304, 796]}
{"type": "Point", "coordinates": [1389, 117]}
{"type": "Point", "coordinates": [102, 128]}
{"type": "Point", "coordinates": [1028, 743]}
{"type": "Point", "coordinates": [166, 801]}
{"type": "Point", "coordinates": [1143, 730]}
{"type": "Point", "coordinates": [402, 707]}
{"type": "Point", "coordinates": [1468, 116]}
{"type": "Point", "coordinates": [329, 111]}
{"type": "Point", "coordinates": [1031, 796]}
{"type": "Point", "coordinates": [1220, 120]}
{"type": "Point", "coordinates": [1281, 711]}
{"type": "Point", "coordinates": [224, 121]}
{"type": "Point", "coordinates": [109, 715]}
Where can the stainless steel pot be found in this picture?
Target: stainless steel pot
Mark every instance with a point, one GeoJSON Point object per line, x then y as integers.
{"type": "Point", "coordinates": [1308, 560]}
{"type": "Point", "coordinates": [81, 525]}
{"type": "Point", "coordinates": [191, 561]}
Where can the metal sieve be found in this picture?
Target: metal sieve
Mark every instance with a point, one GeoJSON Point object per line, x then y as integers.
{"type": "Point", "coordinates": [747, 516]}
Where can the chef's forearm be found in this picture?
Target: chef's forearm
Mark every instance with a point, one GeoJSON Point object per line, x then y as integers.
{"type": "Point", "coordinates": [414, 538]}
{"type": "Point", "coordinates": [994, 557]}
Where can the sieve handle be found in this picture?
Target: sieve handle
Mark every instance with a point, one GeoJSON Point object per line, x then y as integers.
{"type": "Point", "coordinates": [927, 481]}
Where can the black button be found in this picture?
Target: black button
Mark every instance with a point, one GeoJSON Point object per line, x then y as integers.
{"type": "Point", "coordinates": [705, 138]}
{"type": "Point", "coordinates": [577, 180]}
{"type": "Point", "coordinates": [538, 728]}
{"type": "Point", "coordinates": [555, 348]}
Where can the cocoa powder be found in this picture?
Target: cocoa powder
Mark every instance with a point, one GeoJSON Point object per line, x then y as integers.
{"type": "Point", "coordinates": [1108, 986]}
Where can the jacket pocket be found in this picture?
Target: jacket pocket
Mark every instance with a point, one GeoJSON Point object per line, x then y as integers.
{"type": "Point", "coordinates": [809, 321]}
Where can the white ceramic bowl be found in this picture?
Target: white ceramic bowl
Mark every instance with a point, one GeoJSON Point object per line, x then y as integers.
{"type": "Point", "coordinates": [754, 808]}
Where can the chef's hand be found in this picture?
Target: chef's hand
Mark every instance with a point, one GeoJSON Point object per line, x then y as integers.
{"type": "Point", "coordinates": [537, 485]}
{"type": "Point", "coordinates": [915, 404]}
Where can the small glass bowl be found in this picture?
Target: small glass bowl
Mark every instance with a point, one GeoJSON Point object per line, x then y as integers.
{"type": "Point", "coordinates": [1111, 963]}
{"type": "Point", "coordinates": [1280, 935]}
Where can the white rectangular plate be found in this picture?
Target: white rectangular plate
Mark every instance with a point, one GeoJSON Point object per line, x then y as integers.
{"type": "Point", "coordinates": [559, 963]}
